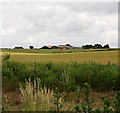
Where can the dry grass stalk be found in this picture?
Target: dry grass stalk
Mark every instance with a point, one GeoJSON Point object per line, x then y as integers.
{"type": "Point", "coordinates": [35, 97]}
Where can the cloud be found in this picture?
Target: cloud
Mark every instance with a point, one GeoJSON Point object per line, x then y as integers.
{"type": "Point", "coordinates": [7, 32]}
{"type": "Point", "coordinates": [52, 23]}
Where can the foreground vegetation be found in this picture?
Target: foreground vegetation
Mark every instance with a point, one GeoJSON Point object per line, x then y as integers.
{"type": "Point", "coordinates": [37, 84]}
{"type": "Point", "coordinates": [65, 77]}
{"type": "Point", "coordinates": [37, 98]}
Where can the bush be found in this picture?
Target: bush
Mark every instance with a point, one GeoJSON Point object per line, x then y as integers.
{"type": "Point", "coordinates": [69, 77]}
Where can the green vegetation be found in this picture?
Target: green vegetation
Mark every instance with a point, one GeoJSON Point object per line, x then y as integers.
{"type": "Point", "coordinates": [35, 97]}
{"type": "Point", "coordinates": [86, 107]}
{"type": "Point", "coordinates": [37, 84]}
{"type": "Point", "coordinates": [65, 76]}
{"type": "Point", "coordinates": [56, 100]}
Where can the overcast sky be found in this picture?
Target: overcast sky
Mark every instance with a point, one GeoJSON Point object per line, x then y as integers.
{"type": "Point", "coordinates": [38, 24]}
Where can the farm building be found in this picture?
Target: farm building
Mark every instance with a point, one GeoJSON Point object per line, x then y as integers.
{"type": "Point", "coordinates": [18, 48]}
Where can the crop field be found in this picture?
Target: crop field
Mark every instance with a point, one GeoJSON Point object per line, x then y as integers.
{"type": "Point", "coordinates": [98, 56]}
{"type": "Point", "coordinates": [61, 80]}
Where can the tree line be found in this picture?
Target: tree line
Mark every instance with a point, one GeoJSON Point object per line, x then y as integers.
{"type": "Point", "coordinates": [96, 46]}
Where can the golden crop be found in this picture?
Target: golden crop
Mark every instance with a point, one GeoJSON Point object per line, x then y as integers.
{"type": "Point", "coordinates": [99, 57]}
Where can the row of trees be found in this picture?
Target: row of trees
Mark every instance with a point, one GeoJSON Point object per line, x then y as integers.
{"type": "Point", "coordinates": [96, 46]}
{"type": "Point", "coordinates": [31, 47]}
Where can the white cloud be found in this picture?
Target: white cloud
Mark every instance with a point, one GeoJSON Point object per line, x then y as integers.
{"type": "Point", "coordinates": [7, 32]}
{"type": "Point", "coordinates": [46, 24]}
{"type": "Point", "coordinates": [29, 40]}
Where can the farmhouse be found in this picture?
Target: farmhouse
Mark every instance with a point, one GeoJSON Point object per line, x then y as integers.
{"type": "Point", "coordinates": [18, 48]}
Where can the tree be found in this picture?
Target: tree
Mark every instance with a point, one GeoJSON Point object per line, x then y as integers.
{"type": "Point", "coordinates": [106, 46]}
{"type": "Point", "coordinates": [87, 46]}
{"type": "Point", "coordinates": [96, 46]}
{"type": "Point", "coordinates": [45, 47]}
{"type": "Point", "coordinates": [67, 44]}
{"type": "Point", "coordinates": [31, 47]}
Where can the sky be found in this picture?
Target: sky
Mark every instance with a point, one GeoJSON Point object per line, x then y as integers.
{"type": "Point", "coordinates": [75, 23]}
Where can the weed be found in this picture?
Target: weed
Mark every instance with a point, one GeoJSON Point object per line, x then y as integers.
{"type": "Point", "coordinates": [86, 107]}
{"type": "Point", "coordinates": [6, 57]}
{"type": "Point", "coordinates": [77, 109]}
{"type": "Point", "coordinates": [106, 105]}
{"type": "Point", "coordinates": [57, 99]}
{"type": "Point", "coordinates": [5, 107]}
{"type": "Point", "coordinates": [116, 101]}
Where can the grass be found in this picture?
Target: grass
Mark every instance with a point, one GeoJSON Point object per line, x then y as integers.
{"type": "Point", "coordinates": [35, 97]}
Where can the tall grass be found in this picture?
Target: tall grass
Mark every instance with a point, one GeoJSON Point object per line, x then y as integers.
{"type": "Point", "coordinates": [35, 97]}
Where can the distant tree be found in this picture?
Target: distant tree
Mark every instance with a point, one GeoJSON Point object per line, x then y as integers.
{"type": "Point", "coordinates": [106, 46]}
{"type": "Point", "coordinates": [67, 44]}
{"type": "Point", "coordinates": [96, 46]}
{"type": "Point", "coordinates": [87, 46]}
{"type": "Point", "coordinates": [31, 47]}
{"type": "Point", "coordinates": [45, 47]}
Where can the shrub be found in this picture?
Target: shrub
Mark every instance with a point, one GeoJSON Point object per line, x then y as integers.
{"type": "Point", "coordinates": [69, 77]}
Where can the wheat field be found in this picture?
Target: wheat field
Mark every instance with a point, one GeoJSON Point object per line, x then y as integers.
{"type": "Point", "coordinates": [97, 56]}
